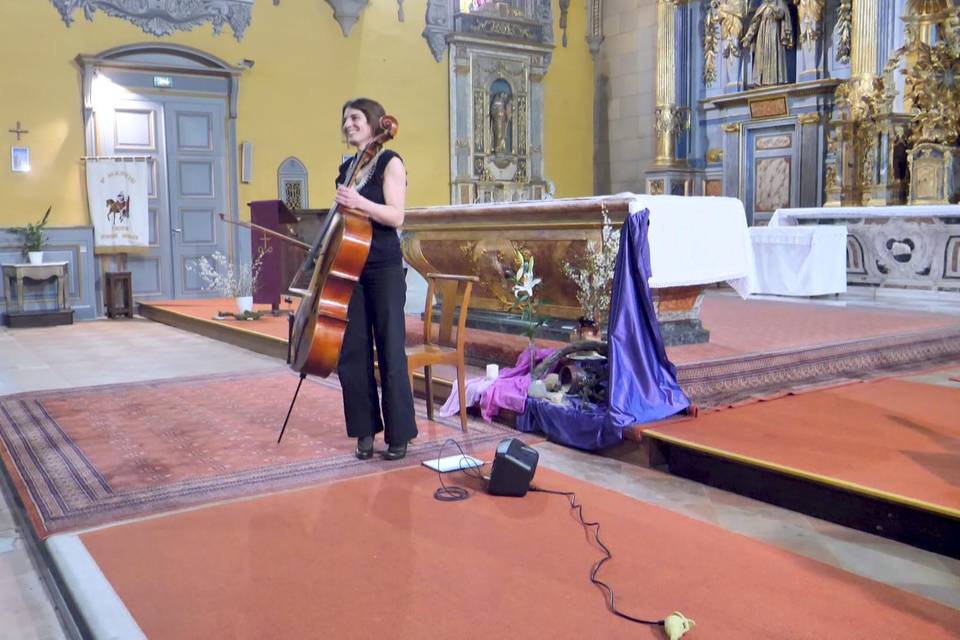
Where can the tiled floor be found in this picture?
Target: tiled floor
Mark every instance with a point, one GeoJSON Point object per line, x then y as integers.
{"type": "Point", "coordinates": [106, 352]}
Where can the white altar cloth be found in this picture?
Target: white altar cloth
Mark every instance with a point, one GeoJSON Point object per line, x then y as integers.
{"type": "Point", "coordinates": [808, 260]}
{"type": "Point", "coordinates": [697, 240]}
{"type": "Point", "coordinates": [790, 217]}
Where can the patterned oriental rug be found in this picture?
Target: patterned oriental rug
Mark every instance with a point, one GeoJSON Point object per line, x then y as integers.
{"type": "Point", "coordinates": [96, 455]}
{"type": "Point", "coordinates": [758, 349]}
{"type": "Point", "coordinates": [726, 382]}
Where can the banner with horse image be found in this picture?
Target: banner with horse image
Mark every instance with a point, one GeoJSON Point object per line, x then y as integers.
{"type": "Point", "coordinates": [117, 195]}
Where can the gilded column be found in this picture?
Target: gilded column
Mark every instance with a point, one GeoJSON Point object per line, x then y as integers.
{"type": "Point", "coordinates": [670, 118]}
{"type": "Point", "coordinates": [863, 38]}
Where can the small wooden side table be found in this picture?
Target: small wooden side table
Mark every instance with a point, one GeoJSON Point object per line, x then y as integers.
{"type": "Point", "coordinates": [118, 294]}
{"type": "Point", "coordinates": [13, 277]}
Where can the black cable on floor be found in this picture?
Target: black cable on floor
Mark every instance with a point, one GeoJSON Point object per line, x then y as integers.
{"type": "Point", "coordinates": [453, 493]}
{"type": "Point", "coordinates": [611, 599]}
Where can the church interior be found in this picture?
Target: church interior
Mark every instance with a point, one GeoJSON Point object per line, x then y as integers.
{"type": "Point", "coordinates": [681, 319]}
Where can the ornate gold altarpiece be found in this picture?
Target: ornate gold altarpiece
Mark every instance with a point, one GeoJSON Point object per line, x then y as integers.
{"type": "Point", "coordinates": [851, 102]}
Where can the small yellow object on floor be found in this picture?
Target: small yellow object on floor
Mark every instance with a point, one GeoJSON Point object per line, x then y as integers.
{"type": "Point", "coordinates": [676, 624]}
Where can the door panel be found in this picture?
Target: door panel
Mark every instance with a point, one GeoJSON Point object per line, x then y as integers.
{"type": "Point", "coordinates": [193, 131]}
{"type": "Point", "coordinates": [185, 141]}
{"type": "Point", "coordinates": [134, 127]}
{"type": "Point", "coordinates": [198, 226]}
{"type": "Point", "coordinates": [195, 161]}
{"type": "Point", "coordinates": [196, 179]}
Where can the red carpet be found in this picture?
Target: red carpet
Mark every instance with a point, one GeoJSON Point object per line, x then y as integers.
{"type": "Point", "coordinates": [90, 456]}
{"type": "Point", "coordinates": [377, 556]}
{"type": "Point", "coordinates": [890, 437]}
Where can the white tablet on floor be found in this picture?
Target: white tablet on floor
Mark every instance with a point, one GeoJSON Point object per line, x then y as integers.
{"type": "Point", "coordinates": [453, 463]}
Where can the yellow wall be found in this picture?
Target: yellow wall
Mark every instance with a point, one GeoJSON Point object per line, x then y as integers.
{"type": "Point", "coordinates": [289, 101]}
{"type": "Point", "coordinates": [568, 108]}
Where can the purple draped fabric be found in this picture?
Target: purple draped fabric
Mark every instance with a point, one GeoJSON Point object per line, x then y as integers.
{"type": "Point", "coordinates": [473, 389]}
{"type": "Point", "coordinates": [509, 390]}
{"type": "Point", "coordinates": [577, 423]}
{"type": "Point", "coordinates": [643, 382]}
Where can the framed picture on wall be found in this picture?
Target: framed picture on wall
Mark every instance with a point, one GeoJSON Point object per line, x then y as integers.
{"type": "Point", "coordinates": [20, 159]}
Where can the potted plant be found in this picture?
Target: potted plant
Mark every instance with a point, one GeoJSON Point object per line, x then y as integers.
{"type": "Point", "coordinates": [593, 275]}
{"type": "Point", "coordinates": [34, 238]}
{"type": "Point", "coordinates": [231, 280]}
{"type": "Point", "coordinates": [526, 301]}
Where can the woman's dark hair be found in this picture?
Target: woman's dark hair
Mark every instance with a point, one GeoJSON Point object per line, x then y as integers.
{"type": "Point", "coordinates": [372, 109]}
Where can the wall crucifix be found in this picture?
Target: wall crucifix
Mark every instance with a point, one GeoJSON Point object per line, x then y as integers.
{"type": "Point", "coordinates": [18, 131]}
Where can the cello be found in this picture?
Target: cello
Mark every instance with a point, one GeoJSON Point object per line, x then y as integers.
{"type": "Point", "coordinates": [335, 262]}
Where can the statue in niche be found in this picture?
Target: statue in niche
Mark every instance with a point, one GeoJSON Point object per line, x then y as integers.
{"type": "Point", "coordinates": [771, 34]}
{"type": "Point", "coordinates": [500, 109]}
{"type": "Point", "coordinates": [731, 14]}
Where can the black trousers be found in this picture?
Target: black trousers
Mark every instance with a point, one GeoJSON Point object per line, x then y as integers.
{"type": "Point", "coordinates": [375, 316]}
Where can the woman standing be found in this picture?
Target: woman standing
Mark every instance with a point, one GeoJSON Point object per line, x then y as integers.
{"type": "Point", "coordinates": [375, 314]}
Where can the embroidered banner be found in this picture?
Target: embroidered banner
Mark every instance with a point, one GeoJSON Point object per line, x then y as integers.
{"type": "Point", "coordinates": [117, 195]}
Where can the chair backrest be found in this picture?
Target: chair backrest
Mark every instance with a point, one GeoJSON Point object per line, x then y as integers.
{"type": "Point", "coordinates": [454, 293]}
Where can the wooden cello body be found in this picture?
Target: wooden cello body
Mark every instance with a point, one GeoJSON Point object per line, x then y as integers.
{"type": "Point", "coordinates": [336, 260]}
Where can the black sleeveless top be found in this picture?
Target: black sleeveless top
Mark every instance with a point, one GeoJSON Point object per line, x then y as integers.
{"type": "Point", "coordinates": [385, 246]}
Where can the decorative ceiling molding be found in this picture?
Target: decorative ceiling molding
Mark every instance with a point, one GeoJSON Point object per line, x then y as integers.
{"type": "Point", "coordinates": [163, 17]}
{"type": "Point", "coordinates": [594, 26]}
{"type": "Point", "coordinates": [347, 12]}
{"type": "Point", "coordinates": [520, 21]}
{"type": "Point", "coordinates": [439, 21]}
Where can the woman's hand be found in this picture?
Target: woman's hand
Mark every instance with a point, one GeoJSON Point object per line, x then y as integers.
{"type": "Point", "coordinates": [348, 197]}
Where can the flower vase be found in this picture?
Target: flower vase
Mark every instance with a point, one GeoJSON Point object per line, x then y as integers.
{"type": "Point", "coordinates": [244, 304]}
{"type": "Point", "coordinates": [588, 329]}
{"type": "Point", "coordinates": [35, 257]}
{"type": "Point", "coordinates": [536, 388]}
{"type": "Point", "coordinates": [532, 354]}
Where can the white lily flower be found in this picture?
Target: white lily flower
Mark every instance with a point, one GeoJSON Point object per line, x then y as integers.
{"type": "Point", "coordinates": [526, 285]}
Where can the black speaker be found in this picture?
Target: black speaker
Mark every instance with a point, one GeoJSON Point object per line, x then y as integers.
{"type": "Point", "coordinates": [513, 468]}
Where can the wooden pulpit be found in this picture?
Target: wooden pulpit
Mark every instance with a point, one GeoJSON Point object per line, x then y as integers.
{"type": "Point", "coordinates": [280, 259]}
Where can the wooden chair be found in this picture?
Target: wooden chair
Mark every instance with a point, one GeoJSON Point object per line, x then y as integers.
{"type": "Point", "coordinates": [454, 291]}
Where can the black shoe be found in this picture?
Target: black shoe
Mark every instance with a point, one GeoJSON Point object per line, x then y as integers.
{"type": "Point", "coordinates": [395, 451]}
{"type": "Point", "coordinates": [364, 448]}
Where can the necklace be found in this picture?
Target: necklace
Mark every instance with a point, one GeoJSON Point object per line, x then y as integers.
{"type": "Point", "coordinates": [367, 172]}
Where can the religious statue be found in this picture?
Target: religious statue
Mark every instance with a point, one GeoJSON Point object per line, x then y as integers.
{"type": "Point", "coordinates": [500, 108]}
{"type": "Point", "coordinates": [771, 34]}
{"type": "Point", "coordinates": [810, 15]}
{"type": "Point", "coordinates": [731, 14]}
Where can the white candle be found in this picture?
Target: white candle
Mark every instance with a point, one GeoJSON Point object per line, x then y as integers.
{"type": "Point", "coordinates": [493, 371]}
